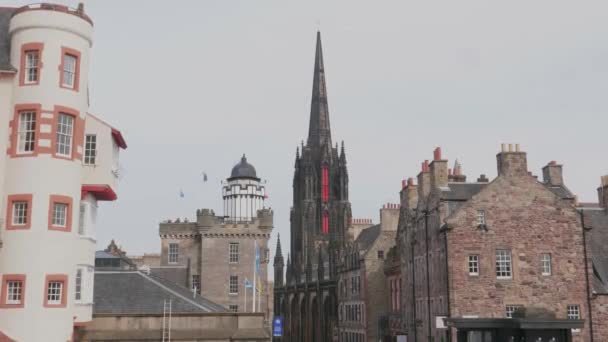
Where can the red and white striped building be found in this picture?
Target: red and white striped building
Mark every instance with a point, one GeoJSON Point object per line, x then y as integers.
{"type": "Point", "coordinates": [59, 162]}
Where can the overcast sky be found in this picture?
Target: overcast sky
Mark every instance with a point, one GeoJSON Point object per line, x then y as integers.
{"type": "Point", "coordinates": [195, 84]}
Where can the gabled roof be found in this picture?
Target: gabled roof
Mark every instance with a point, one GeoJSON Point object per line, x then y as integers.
{"type": "Point", "coordinates": [5, 40]}
{"type": "Point", "coordinates": [133, 292]}
{"type": "Point", "coordinates": [367, 237]}
{"type": "Point", "coordinates": [561, 191]}
{"type": "Point", "coordinates": [461, 191]}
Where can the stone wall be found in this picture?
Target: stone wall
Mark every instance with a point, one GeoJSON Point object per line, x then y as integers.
{"type": "Point", "coordinates": [524, 217]}
{"type": "Point", "coordinates": [599, 303]}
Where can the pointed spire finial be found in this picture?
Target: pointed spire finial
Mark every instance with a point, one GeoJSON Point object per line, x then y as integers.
{"type": "Point", "coordinates": [319, 132]}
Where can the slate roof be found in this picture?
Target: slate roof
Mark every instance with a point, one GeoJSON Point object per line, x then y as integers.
{"type": "Point", "coordinates": [597, 219]}
{"type": "Point", "coordinates": [462, 191]}
{"type": "Point", "coordinates": [561, 191]}
{"type": "Point", "coordinates": [5, 40]}
{"type": "Point", "coordinates": [178, 275]}
{"type": "Point", "coordinates": [132, 292]}
{"type": "Point", "coordinates": [367, 237]}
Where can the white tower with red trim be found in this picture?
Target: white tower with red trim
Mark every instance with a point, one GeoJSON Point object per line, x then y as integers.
{"type": "Point", "coordinates": [59, 162]}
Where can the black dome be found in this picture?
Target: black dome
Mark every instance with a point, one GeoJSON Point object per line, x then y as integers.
{"type": "Point", "coordinates": [243, 170]}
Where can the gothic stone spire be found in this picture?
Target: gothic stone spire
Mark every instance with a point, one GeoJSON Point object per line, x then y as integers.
{"type": "Point", "coordinates": [319, 130]}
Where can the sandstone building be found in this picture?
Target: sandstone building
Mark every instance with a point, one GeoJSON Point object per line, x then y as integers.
{"type": "Point", "coordinates": [320, 217]}
{"type": "Point", "coordinates": [493, 261]}
{"type": "Point", "coordinates": [215, 254]}
{"type": "Point", "coordinates": [58, 163]}
{"type": "Point", "coordinates": [362, 298]}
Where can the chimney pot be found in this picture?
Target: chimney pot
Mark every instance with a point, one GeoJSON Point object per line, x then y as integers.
{"type": "Point", "coordinates": [503, 148]}
{"type": "Point", "coordinates": [410, 181]}
{"type": "Point", "coordinates": [403, 183]}
{"type": "Point", "coordinates": [510, 147]}
{"type": "Point", "coordinates": [449, 172]}
{"type": "Point", "coordinates": [437, 154]}
{"type": "Point", "coordinates": [516, 147]}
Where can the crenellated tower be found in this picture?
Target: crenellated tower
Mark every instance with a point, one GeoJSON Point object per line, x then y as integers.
{"type": "Point", "coordinates": [321, 211]}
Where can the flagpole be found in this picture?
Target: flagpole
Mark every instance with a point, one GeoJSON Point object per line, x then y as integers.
{"type": "Point", "coordinates": [255, 250]}
{"type": "Point", "coordinates": [245, 306]}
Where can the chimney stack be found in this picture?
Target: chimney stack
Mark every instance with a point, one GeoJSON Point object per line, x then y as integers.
{"type": "Point", "coordinates": [512, 162]}
{"type": "Point", "coordinates": [424, 180]}
{"type": "Point", "coordinates": [409, 195]}
{"type": "Point", "coordinates": [389, 217]}
{"type": "Point", "coordinates": [552, 174]}
{"type": "Point", "coordinates": [602, 192]}
{"type": "Point", "coordinates": [439, 170]}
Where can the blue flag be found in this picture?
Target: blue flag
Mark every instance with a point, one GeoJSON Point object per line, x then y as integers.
{"type": "Point", "coordinates": [257, 258]}
{"type": "Point", "coordinates": [248, 284]}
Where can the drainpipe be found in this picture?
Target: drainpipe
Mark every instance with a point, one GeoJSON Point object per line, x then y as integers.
{"type": "Point", "coordinates": [587, 274]}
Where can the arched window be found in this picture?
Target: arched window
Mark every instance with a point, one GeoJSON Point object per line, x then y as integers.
{"type": "Point", "coordinates": [325, 222]}
{"type": "Point", "coordinates": [324, 183]}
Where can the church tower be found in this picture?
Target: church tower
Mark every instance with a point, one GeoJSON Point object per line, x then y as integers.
{"type": "Point", "coordinates": [321, 211]}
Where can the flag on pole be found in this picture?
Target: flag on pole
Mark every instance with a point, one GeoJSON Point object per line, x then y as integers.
{"type": "Point", "coordinates": [248, 284]}
{"type": "Point", "coordinates": [181, 193]}
{"type": "Point", "coordinates": [204, 176]}
{"type": "Point", "coordinates": [257, 268]}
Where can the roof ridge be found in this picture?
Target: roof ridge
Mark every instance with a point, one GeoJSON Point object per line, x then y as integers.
{"type": "Point", "coordinates": [159, 284]}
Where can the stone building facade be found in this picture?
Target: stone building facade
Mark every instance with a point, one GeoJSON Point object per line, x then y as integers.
{"type": "Point", "coordinates": [320, 217]}
{"type": "Point", "coordinates": [391, 323]}
{"type": "Point", "coordinates": [595, 219]}
{"type": "Point", "coordinates": [492, 258]}
{"type": "Point", "coordinates": [362, 299]}
{"type": "Point", "coordinates": [215, 255]}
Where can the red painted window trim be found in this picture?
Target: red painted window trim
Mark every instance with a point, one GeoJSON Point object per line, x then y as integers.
{"type": "Point", "coordinates": [5, 279]}
{"type": "Point", "coordinates": [74, 53]}
{"type": "Point", "coordinates": [77, 132]}
{"type": "Point", "coordinates": [9, 211]}
{"type": "Point", "coordinates": [68, 219]}
{"type": "Point", "coordinates": [64, 290]}
{"type": "Point", "coordinates": [324, 183]}
{"type": "Point", "coordinates": [30, 47]}
{"type": "Point", "coordinates": [14, 128]}
{"type": "Point", "coordinates": [325, 223]}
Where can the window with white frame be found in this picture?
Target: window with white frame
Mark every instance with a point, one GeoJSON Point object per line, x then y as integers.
{"type": "Point", "coordinates": [574, 312]}
{"type": "Point", "coordinates": [81, 218]}
{"type": "Point", "coordinates": [69, 70]}
{"type": "Point", "coordinates": [233, 308]}
{"type": "Point", "coordinates": [510, 309]}
{"type": "Point", "coordinates": [503, 264]}
{"type": "Point", "coordinates": [474, 265]}
{"type": "Point", "coordinates": [32, 62]}
{"type": "Point", "coordinates": [20, 213]}
{"type": "Point", "coordinates": [60, 213]}
{"type": "Point", "coordinates": [78, 285]}
{"type": "Point", "coordinates": [173, 252]}
{"type": "Point", "coordinates": [233, 249]}
{"type": "Point", "coordinates": [196, 283]}
{"type": "Point", "coordinates": [90, 149]}
{"type": "Point", "coordinates": [14, 292]}
{"type": "Point", "coordinates": [65, 131]}
{"type": "Point", "coordinates": [481, 217]}
{"type": "Point", "coordinates": [54, 292]}
{"type": "Point", "coordinates": [234, 284]}
{"type": "Point", "coordinates": [26, 133]}
{"type": "Point", "coordinates": [545, 264]}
